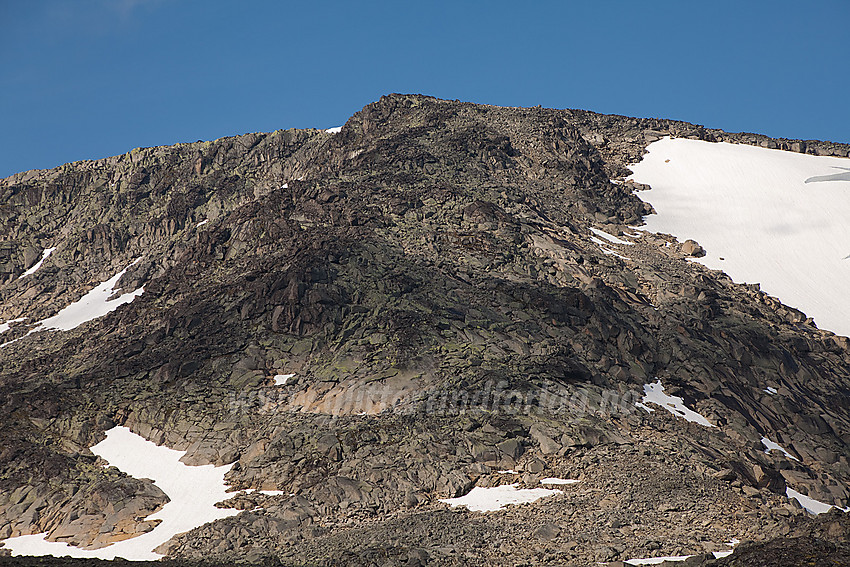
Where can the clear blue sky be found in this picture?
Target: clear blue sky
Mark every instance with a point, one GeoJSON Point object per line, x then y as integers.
{"type": "Point", "coordinates": [84, 79]}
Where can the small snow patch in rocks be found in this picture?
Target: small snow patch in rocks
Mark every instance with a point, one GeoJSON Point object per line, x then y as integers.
{"type": "Point", "coordinates": [770, 390]}
{"type": "Point", "coordinates": [773, 446]}
{"type": "Point", "coordinates": [558, 481]}
{"type": "Point", "coordinates": [602, 245]}
{"type": "Point", "coordinates": [657, 560]}
{"type": "Point", "coordinates": [727, 553]}
{"type": "Point", "coordinates": [6, 326]}
{"type": "Point", "coordinates": [482, 499]}
{"type": "Point", "coordinates": [509, 471]}
{"type": "Point", "coordinates": [810, 504]}
{"type": "Point", "coordinates": [334, 130]}
{"type": "Point", "coordinates": [281, 379]}
{"type": "Point", "coordinates": [202, 223]}
{"type": "Point", "coordinates": [38, 264]}
{"type": "Point", "coordinates": [610, 238]}
{"type": "Point", "coordinates": [654, 393]}
{"type": "Point", "coordinates": [265, 492]}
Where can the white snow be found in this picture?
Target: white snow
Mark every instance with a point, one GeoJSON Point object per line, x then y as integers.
{"type": "Point", "coordinates": [508, 471]}
{"type": "Point", "coordinates": [202, 223]}
{"type": "Point", "coordinates": [92, 305]}
{"type": "Point", "coordinates": [770, 390]}
{"type": "Point", "coordinates": [778, 218]}
{"type": "Point", "coordinates": [334, 130]}
{"type": "Point", "coordinates": [193, 492]}
{"type": "Point", "coordinates": [657, 560]}
{"type": "Point", "coordinates": [481, 499]}
{"type": "Point", "coordinates": [654, 393]}
{"type": "Point", "coordinates": [772, 445]}
{"type": "Point", "coordinates": [281, 379]}
{"type": "Point", "coordinates": [606, 236]}
{"type": "Point", "coordinates": [558, 481]}
{"type": "Point", "coordinates": [38, 264]}
{"type": "Point", "coordinates": [810, 504]}
{"type": "Point", "coordinates": [6, 326]}
{"type": "Point", "coordinates": [603, 246]}
{"type": "Point", "coordinates": [266, 492]}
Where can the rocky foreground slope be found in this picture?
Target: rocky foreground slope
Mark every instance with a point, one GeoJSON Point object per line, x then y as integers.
{"type": "Point", "coordinates": [429, 277]}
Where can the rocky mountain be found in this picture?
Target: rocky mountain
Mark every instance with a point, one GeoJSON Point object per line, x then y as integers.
{"type": "Point", "coordinates": [417, 308]}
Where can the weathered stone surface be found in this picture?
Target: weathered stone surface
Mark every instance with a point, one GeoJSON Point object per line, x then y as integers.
{"type": "Point", "coordinates": [428, 278]}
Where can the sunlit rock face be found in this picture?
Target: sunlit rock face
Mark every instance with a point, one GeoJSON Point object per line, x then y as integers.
{"type": "Point", "coordinates": [353, 330]}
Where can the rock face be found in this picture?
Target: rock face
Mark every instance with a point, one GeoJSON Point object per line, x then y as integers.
{"type": "Point", "coordinates": [427, 276]}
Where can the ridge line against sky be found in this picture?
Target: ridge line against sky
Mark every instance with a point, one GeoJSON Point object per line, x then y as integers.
{"type": "Point", "coordinates": [93, 78]}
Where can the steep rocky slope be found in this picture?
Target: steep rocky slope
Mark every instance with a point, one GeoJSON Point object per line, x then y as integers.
{"type": "Point", "coordinates": [430, 278]}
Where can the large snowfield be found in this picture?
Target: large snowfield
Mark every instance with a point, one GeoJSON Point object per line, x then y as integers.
{"type": "Point", "coordinates": [764, 216]}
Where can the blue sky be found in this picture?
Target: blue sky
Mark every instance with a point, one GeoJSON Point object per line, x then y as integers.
{"type": "Point", "coordinates": [83, 79]}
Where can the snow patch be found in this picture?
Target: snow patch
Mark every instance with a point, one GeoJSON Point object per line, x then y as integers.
{"type": "Point", "coordinates": [773, 446]}
{"type": "Point", "coordinates": [610, 238]}
{"type": "Point", "coordinates": [265, 492]}
{"type": "Point", "coordinates": [202, 223]}
{"type": "Point", "coordinates": [334, 130]}
{"type": "Point", "coordinates": [777, 217]}
{"type": "Point", "coordinates": [602, 246]}
{"type": "Point", "coordinates": [810, 504]}
{"type": "Point", "coordinates": [558, 481]}
{"type": "Point", "coordinates": [281, 379]}
{"type": "Point", "coordinates": [7, 325]}
{"type": "Point", "coordinates": [193, 491]}
{"type": "Point", "coordinates": [654, 393]}
{"type": "Point", "coordinates": [770, 390]}
{"type": "Point", "coordinates": [92, 305]}
{"type": "Point", "coordinates": [38, 264]}
{"type": "Point", "coordinates": [657, 560]}
{"type": "Point", "coordinates": [481, 499]}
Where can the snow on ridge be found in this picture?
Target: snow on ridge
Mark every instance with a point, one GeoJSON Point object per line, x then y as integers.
{"type": "Point", "coordinates": [776, 217]}
{"type": "Point", "coordinates": [47, 252]}
{"type": "Point", "coordinates": [654, 393]}
{"type": "Point", "coordinates": [334, 130]}
{"type": "Point", "coordinates": [193, 493]}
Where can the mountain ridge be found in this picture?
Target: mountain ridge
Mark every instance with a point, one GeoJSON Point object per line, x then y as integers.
{"type": "Point", "coordinates": [426, 250]}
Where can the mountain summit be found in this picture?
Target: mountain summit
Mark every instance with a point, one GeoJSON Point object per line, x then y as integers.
{"type": "Point", "coordinates": [444, 334]}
